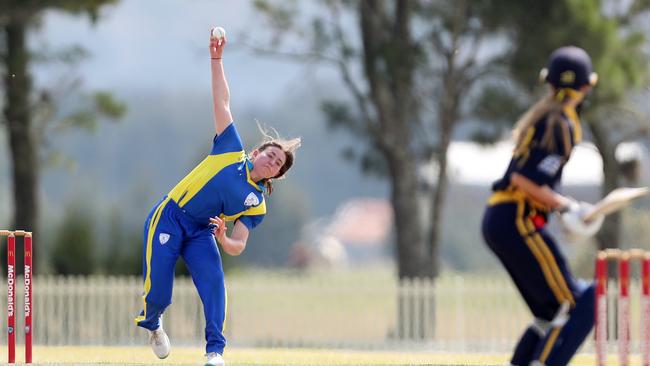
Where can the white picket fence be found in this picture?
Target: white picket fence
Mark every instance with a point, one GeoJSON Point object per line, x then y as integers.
{"type": "Point", "coordinates": [456, 313]}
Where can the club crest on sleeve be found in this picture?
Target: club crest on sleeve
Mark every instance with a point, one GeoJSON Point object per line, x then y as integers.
{"type": "Point", "coordinates": [550, 165]}
{"type": "Point", "coordinates": [251, 200]}
{"type": "Point", "coordinates": [163, 238]}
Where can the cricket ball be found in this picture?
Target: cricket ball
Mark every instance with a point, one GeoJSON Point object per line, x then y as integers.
{"type": "Point", "coordinates": [218, 33]}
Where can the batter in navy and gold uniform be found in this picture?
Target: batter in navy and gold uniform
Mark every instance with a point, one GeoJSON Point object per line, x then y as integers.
{"type": "Point", "coordinates": [226, 186]}
{"type": "Point", "coordinates": [514, 224]}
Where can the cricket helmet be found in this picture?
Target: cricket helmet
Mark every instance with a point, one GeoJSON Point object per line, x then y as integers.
{"type": "Point", "coordinates": [569, 67]}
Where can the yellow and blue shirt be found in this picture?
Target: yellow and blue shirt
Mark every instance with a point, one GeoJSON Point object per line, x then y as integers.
{"type": "Point", "coordinates": [221, 185]}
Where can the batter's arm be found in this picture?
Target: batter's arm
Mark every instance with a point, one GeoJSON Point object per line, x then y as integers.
{"type": "Point", "coordinates": [543, 194]}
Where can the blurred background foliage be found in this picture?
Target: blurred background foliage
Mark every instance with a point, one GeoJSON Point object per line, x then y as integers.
{"type": "Point", "coordinates": [96, 181]}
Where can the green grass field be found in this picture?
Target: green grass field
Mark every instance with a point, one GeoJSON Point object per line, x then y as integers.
{"type": "Point", "coordinates": [248, 356]}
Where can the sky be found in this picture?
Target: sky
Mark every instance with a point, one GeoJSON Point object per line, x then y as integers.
{"type": "Point", "coordinates": [162, 45]}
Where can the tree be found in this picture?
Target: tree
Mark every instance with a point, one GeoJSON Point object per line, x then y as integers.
{"type": "Point", "coordinates": [23, 103]}
{"type": "Point", "coordinates": [456, 36]}
{"type": "Point", "coordinates": [616, 45]}
{"type": "Point", "coordinates": [117, 254]}
{"type": "Point", "coordinates": [401, 59]}
{"type": "Point", "coordinates": [73, 252]}
{"type": "Point", "coordinates": [385, 107]}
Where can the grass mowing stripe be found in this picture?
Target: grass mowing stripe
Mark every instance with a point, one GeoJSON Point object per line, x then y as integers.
{"type": "Point", "coordinates": [193, 356]}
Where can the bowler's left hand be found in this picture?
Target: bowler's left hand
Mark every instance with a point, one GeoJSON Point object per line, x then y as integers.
{"type": "Point", "coordinates": [219, 230]}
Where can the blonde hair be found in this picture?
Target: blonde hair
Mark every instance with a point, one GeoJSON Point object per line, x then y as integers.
{"type": "Point", "coordinates": [549, 106]}
{"type": "Point", "coordinates": [288, 146]}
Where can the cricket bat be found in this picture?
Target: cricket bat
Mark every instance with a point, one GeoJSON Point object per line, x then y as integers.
{"type": "Point", "coordinates": [614, 201]}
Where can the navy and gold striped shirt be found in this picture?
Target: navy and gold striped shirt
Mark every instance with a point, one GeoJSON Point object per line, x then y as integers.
{"type": "Point", "coordinates": [544, 150]}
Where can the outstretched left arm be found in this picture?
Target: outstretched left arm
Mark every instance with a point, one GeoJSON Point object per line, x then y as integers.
{"type": "Point", "coordinates": [236, 243]}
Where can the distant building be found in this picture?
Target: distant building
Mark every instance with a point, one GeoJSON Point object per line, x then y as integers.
{"type": "Point", "coordinates": [474, 164]}
{"type": "Point", "coordinates": [470, 163]}
{"type": "Point", "coordinates": [358, 232]}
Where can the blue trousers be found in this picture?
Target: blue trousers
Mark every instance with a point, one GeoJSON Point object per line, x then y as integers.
{"type": "Point", "coordinates": [169, 233]}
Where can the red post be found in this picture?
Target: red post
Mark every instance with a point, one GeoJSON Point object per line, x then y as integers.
{"type": "Point", "coordinates": [601, 309]}
{"type": "Point", "coordinates": [624, 310]}
{"type": "Point", "coordinates": [11, 287]}
{"type": "Point", "coordinates": [645, 310]}
{"type": "Point", "coordinates": [28, 298]}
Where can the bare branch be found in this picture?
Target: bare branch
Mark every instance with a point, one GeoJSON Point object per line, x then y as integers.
{"type": "Point", "coordinates": [340, 61]}
{"type": "Point", "coordinates": [371, 30]}
{"type": "Point", "coordinates": [438, 44]}
{"type": "Point", "coordinates": [401, 25]}
{"type": "Point", "coordinates": [474, 42]}
{"type": "Point", "coordinates": [359, 96]}
{"type": "Point", "coordinates": [639, 124]}
{"type": "Point", "coordinates": [379, 14]}
{"type": "Point", "coordinates": [306, 56]}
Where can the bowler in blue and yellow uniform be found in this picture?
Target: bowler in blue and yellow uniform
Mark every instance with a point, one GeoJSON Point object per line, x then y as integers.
{"type": "Point", "coordinates": [178, 226]}
{"type": "Point", "coordinates": [227, 185]}
{"type": "Point", "coordinates": [514, 224]}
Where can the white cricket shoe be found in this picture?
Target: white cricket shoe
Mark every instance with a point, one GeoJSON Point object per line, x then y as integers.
{"type": "Point", "coordinates": [214, 359]}
{"type": "Point", "coordinates": [159, 342]}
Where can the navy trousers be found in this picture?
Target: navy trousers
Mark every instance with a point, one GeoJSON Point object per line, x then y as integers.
{"type": "Point", "coordinates": [515, 232]}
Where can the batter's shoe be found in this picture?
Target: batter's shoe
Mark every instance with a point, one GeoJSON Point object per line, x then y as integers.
{"type": "Point", "coordinates": [159, 342]}
{"type": "Point", "coordinates": [214, 359]}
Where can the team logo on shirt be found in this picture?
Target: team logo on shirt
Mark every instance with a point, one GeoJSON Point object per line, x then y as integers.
{"type": "Point", "coordinates": [163, 238]}
{"type": "Point", "coordinates": [550, 165]}
{"type": "Point", "coordinates": [251, 200]}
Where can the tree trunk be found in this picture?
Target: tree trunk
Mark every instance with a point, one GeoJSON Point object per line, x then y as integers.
{"type": "Point", "coordinates": [388, 66]}
{"type": "Point", "coordinates": [24, 157]}
{"type": "Point", "coordinates": [448, 110]}
{"type": "Point", "coordinates": [437, 204]}
{"type": "Point", "coordinates": [410, 246]}
{"type": "Point", "coordinates": [609, 234]}
{"type": "Point", "coordinates": [415, 303]}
